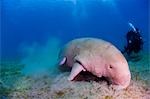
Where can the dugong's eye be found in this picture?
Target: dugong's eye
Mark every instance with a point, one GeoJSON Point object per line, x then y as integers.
{"type": "Point", "coordinates": [110, 66]}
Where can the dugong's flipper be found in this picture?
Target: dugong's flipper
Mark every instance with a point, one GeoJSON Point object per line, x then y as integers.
{"type": "Point", "coordinates": [62, 62]}
{"type": "Point", "coordinates": [76, 69]}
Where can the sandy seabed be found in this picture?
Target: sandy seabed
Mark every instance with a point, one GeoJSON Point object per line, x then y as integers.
{"type": "Point", "coordinates": [61, 88]}
{"type": "Point", "coordinates": [17, 86]}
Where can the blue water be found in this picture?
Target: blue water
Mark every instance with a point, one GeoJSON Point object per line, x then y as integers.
{"type": "Point", "coordinates": [34, 31]}
{"type": "Point", "coordinates": [24, 22]}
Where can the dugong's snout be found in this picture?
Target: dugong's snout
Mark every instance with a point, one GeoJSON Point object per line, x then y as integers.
{"type": "Point", "coordinates": [123, 81]}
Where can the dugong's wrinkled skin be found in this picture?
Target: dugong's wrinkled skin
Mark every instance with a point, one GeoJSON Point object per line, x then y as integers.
{"type": "Point", "coordinates": [97, 56]}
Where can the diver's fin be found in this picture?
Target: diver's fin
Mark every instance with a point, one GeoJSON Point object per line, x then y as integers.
{"type": "Point", "coordinates": [76, 69]}
{"type": "Point", "coordinates": [132, 26]}
{"type": "Point", "coordinates": [63, 60]}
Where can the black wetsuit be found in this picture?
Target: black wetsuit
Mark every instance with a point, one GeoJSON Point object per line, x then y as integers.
{"type": "Point", "coordinates": [134, 42]}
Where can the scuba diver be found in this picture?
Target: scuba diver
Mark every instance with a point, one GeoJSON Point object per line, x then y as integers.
{"type": "Point", "coordinates": [134, 41]}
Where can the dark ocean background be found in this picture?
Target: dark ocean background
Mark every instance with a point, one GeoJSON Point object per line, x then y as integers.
{"type": "Point", "coordinates": [25, 22]}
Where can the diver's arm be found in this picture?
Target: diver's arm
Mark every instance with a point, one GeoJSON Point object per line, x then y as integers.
{"type": "Point", "coordinates": [131, 25]}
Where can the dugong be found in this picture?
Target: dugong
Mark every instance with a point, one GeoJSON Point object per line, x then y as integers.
{"type": "Point", "coordinates": [97, 56]}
